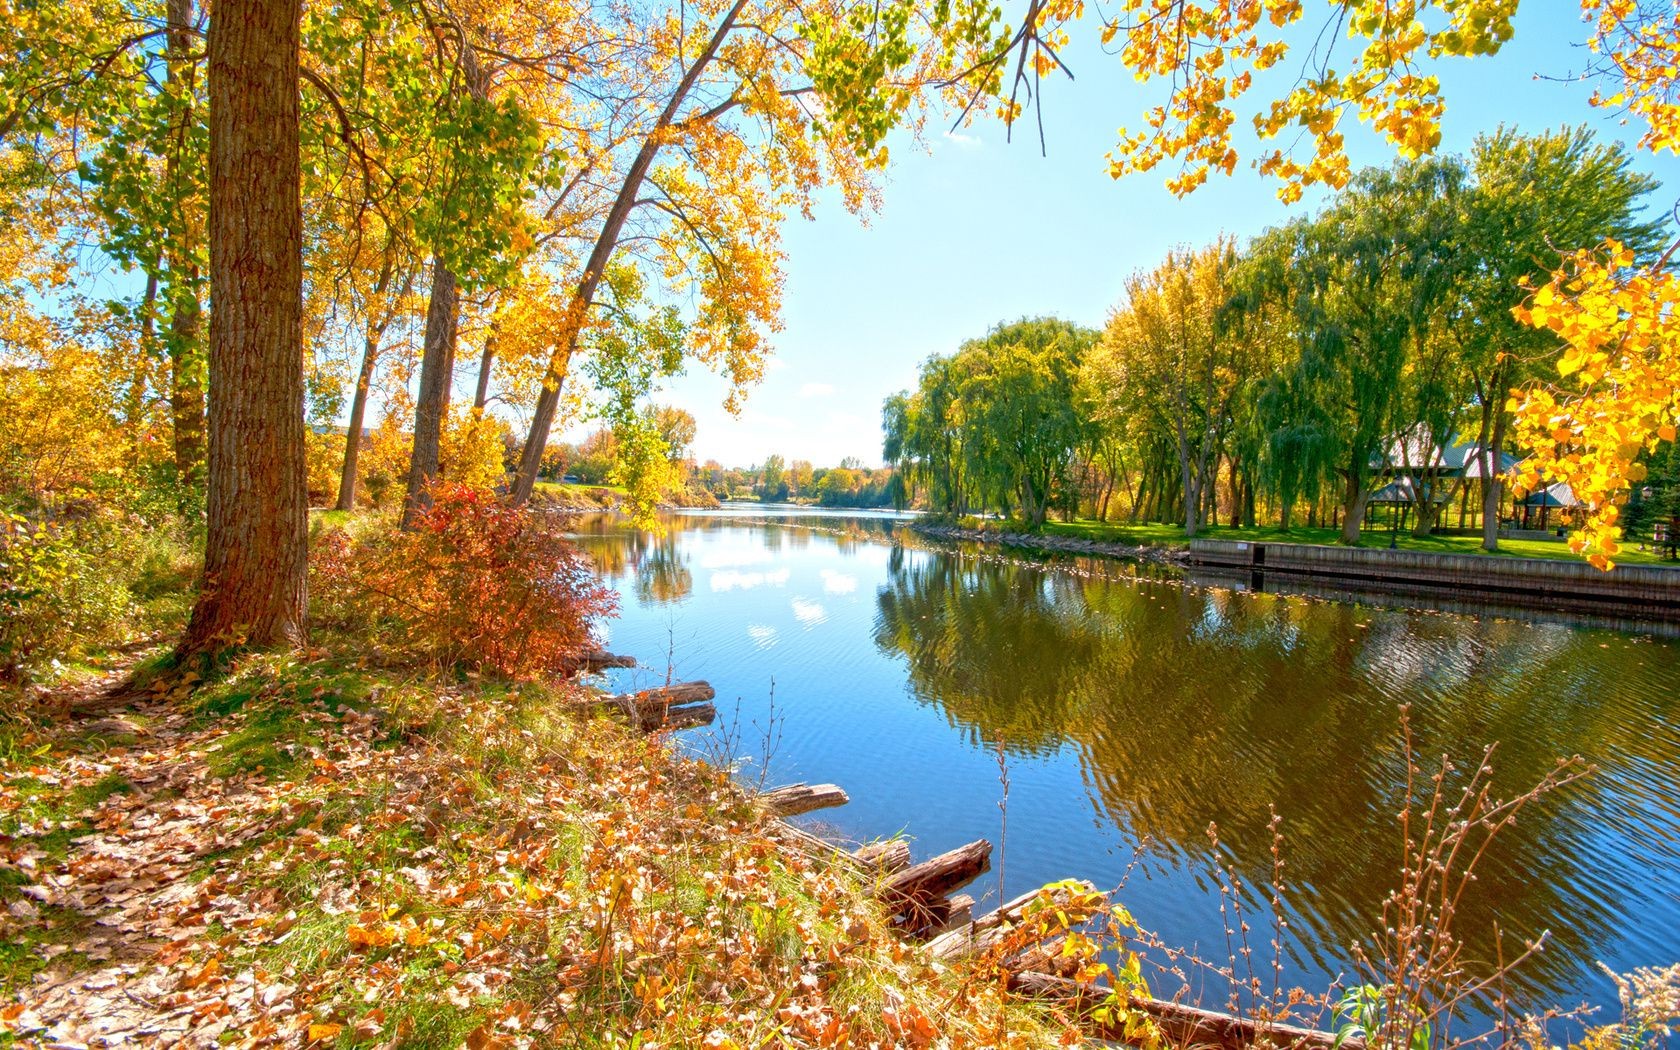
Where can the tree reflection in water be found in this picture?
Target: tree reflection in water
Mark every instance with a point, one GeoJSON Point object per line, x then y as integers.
{"type": "Point", "coordinates": [1189, 707]}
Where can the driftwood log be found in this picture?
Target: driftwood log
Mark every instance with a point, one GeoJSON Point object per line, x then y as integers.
{"type": "Point", "coordinates": [676, 706]}
{"type": "Point", "coordinates": [988, 930]}
{"type": "Point", "coordinates": [1181, 1026]}
{"type": "Point", "coordinates": [884, 858]}
{"type": "Point", "coordinates": [803, 798]}
{"type": "Point", "coordinates": [600, 660]}
{"type": "Point", "coordinates": [916, 896]}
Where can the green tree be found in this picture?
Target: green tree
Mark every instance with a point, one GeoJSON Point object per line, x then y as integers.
{"type": "Point", "coordinates": [1533, 195]}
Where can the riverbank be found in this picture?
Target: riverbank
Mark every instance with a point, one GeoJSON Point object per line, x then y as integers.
{"type": "Point", "coordinates": [1157, 534]}
{"type": "Point", "coordinates": [1050, 543]}
{"type": "Point", "coordinates": [1631, 593]}
{"type": "Point", "coordinates": [323, 850]}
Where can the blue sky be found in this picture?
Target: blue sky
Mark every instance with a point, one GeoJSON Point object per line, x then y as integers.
{"type": "Point", "coordinates": [974, 230]}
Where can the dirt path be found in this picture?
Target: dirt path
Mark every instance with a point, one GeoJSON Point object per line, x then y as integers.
{"type": "Point", "coordinates": [113, 896]}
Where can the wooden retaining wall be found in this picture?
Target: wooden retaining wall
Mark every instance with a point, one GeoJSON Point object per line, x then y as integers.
{"type": "Point", "coordinates": [1640, 591]}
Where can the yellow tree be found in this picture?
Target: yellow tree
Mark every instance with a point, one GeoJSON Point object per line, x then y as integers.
{"type": "Point", "coordinates": [1614, 311]}
{"type": "Point", "coordinates": [704, 127]}
{"type": "Point", "coordinates": [1167, 353]}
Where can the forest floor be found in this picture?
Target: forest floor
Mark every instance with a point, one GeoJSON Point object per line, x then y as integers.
{"type": "Point", "coordinates": [314, 850]}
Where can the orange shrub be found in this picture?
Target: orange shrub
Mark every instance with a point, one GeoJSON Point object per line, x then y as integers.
{"type": "Point", "coordinates": [475, 584]}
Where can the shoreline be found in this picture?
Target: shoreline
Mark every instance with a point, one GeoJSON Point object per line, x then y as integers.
{"type": "Point", "coordinates": [1053, 544]}
{"type": "Point", "coordinates": [1631, 597]}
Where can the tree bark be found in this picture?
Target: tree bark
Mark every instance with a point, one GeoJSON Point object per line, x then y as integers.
{"type": "Point", "coordinates": [485, 361]}
{"type": "Point", "coordinates": [548, 399]}
{"type": "Point", "coordinates": [1493, 483]}
{"type": "Point", "coordinates": [358, 413]}
{"type": "Point", "coordinates": [186, 376]}
{"type": "Point", "coordinates": [373, 336]}
{"type": "Point", "coordinates": [437, 369]}
{"type": "Point", "coordinates": [1353, 503]}
{"type": "Point", "coordinates": [256, 538]}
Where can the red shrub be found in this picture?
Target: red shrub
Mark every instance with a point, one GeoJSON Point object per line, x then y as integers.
{"type": "Point", "coordinates": [480, 584]}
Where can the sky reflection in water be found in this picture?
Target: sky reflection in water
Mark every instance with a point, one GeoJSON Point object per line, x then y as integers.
{"type": "Point", "coordinates": [1136, 709]}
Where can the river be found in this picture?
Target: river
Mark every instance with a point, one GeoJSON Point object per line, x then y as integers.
{"type": "Point", "coordinates": [1129, 711]}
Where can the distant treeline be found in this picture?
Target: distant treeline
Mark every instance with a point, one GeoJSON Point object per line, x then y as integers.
{"type": "Point", "coordinates": [851, 484]}
{"type": "Point", "coordinates": [1292, 377]}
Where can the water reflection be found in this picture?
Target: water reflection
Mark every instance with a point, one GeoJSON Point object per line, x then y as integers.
{"type": "Point", "coordinates": [1190, 707]}
{"type": "Point", "coordinates": [1135, 707]}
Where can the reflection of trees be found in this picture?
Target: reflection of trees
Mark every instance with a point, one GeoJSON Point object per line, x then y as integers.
{"type": "Point", "coordinates": [656, 561]}
{"type": "Point", "coordinates": [659, 566]}
{"type": "Point", "coordinates": [662, 573]}
{"type": "Point", "coordinates": [1190, 707]}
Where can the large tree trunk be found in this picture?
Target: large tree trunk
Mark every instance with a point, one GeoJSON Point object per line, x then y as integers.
{"type": "Point", "coordinates": [485, 361]}
{"type": "Point", "coordinates": [256, 541]}
{"type": "Point", "coordinates": [372, 337]}
{"type": "Point", "coordinates": [186, 360]}
{"type": "Point", "coordinates": [358, 413]}
{"type": "Point", "coordinates": [629, 192]}
{"type": "Point", "coordinates": [1493, 483]}
{"type": "Point", "coordinates": [437, 369]}
{"type": "Point", "coordinates": [1353, 507]}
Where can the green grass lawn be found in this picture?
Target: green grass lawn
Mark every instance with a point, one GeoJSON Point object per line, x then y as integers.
{"type": "Point", "coordinates": [1157, 534]}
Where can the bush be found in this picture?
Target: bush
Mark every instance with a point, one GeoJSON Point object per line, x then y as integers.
{"type": "Point", "coordinates": [82, 582]}
{"type": "Point", "coordinates": [475, 584]}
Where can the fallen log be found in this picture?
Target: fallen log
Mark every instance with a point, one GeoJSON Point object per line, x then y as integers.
{"type": "Point", "coordinates": [600, 660]}
{"type": "Point", "coordinates": [670, 695]}
{"type": "Point", "coordinates": [989, 929]}
{"type": "Point", "coordinates": [937, 876]}
{"type": "Point", "coordinates": [917, 895]}
{"type": "Point", "coordinates": [672, 706]}
{"type": "Point", "coordinates": [884, 858]}
{"type": "Point", "coordinates": [803, 798]}
{"type": "Point", "coordinates": [685, 717]}
{"type": "Point", "coordinates": [1181, 1025]}
{"type": "Point", "coordinates": [959, 912]}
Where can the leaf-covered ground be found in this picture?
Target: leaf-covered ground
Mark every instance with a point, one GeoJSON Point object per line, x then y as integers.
{"type": "Point", "coordinates": [306, 852]}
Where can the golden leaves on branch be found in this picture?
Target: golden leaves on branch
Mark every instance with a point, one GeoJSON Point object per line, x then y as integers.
{"type": "Point", "coordinates": [1212, 49]}
{"type": "Point", "coordinates": [1622, 353]}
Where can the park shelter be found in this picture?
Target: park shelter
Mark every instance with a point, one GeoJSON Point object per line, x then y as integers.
{"type": "Point", "coordinates": [1559, 497]}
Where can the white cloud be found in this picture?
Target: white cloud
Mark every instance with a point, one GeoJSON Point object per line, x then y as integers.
{"type": "Point", "coordinates": [809, 613]}
{"type": "Point", "coordinates": [838, 582]}
{"type": "Point", "coordinates": [764, 636]}
{"type": "Point", "coordinates": [957, 138]}
{"type": "Point", "coordinates": [731, 579]}
{"type": "Point", "coordinates": [816, 389]}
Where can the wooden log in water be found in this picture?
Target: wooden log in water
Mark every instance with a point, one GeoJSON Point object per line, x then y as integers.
{"type": "Point", "coordinates": [990, 928]}
{"type": "Point", "coordinates": [686, 717]}
{"type": "Point", "coordinates": [670, 695]}
{"type": "Point", "coordinates": [600, 660]}
{"type": "Point", "coordinates": [884, 858]}
{"type": "Point", "coordinates": [916, 896]}
{"type": "Point", "coordinates": [670, 707]}
{"type": "Point", "coordinates": [803, 798]}
{"type": "Point", "coordinates": [959, 912]}
{"type": "Point", "coordinates": [1181, 1025]}
{"type": "Point", "coordinates": [938, 876]}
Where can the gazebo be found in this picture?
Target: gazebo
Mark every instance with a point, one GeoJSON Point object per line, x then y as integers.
{"type": "Point", "coordinates": [1558, 497]}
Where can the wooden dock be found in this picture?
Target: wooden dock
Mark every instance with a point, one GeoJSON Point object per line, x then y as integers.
{"type": "Point", "coordinates": [1641, 592]}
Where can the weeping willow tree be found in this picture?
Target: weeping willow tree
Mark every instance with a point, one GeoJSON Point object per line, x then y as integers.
{"type": "Point", "coordinates": [997, 426]}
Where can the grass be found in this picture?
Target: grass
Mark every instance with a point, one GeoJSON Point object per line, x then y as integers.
{"type": "Point", "coordinates": [1157, 534]}
{"type": "Point", "coordinates": [567, 486]}
{"type": "Point", "coordinates": [436, 856]}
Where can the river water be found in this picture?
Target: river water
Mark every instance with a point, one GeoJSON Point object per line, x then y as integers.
{"type": "Point", "coordinates": [1134, 710]}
